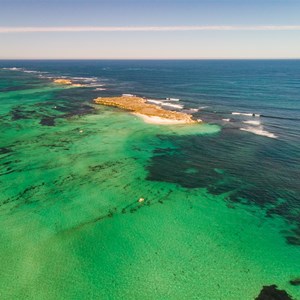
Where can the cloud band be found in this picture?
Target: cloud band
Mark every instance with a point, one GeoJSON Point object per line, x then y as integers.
{"type": "Point", "coordinates": [146, 28]}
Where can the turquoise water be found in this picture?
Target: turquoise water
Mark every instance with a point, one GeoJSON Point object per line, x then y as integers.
{"type": "Point", "coordinates": [221, 213]}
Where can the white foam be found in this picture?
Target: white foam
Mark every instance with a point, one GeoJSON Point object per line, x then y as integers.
{"type": "Point", "coordinates": [13, 69]}
{"type": "Point", "coordinates": [159, 120]}
{"type": "Point", "coordinates": [155, 101]}
{"type": "Point", "coordinates": [30, 72]}
{"type": "Point", "coordinates": [100, 89]}
{"type": "Point", "coordinates": [45, 76]}
{"type": "Point", "coordinates": [33, 72]}
{"type": "Point", "coordinates": [178, 106]}
{"type": "Point", "coordinates": [172, 99]}
{"type": "Point", "coordinates": [252, 122]}
{"type": "Point", "coordinates": [260, 131]}
{"type": "Point", "coordinates": [39, 73]}
{"type": "Point", "coordinates": [89, 79]}
{"type": "Point", "coordinates": [128, 95]}
{"type": "Point", "coordinates": [163, 103]}
{"type": "Point", "coordinates": [245, 114]}
{"type": "Point", "coordinates": [97, 84]}
{"type": "Point", "coordinates": [226, 120]}
{"type": "Point", "coordinates": [77, 81]}
{"type": "Point", "coordinates": [191, 110]}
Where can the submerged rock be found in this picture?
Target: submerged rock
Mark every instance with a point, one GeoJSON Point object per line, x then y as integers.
{"type": "Point", "coordinates": [295, 281]}
{"type": "Point", "coordinates": [272, 293]}
{"type": "Point", "coordinates": [4, 150]}
{"type": "Point", "coordinates": [48, 121]}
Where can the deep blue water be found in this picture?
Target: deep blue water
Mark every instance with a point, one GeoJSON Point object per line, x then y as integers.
{"type": "Point", "coordinates": [256, 102]}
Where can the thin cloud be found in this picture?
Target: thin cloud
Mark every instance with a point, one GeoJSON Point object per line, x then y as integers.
{"type": "Point", "coordinates": [146, 28]}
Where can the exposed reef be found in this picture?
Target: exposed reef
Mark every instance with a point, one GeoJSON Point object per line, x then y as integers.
{"type": "Point", "coordinates": [149, 112]}
{"type": "Point", "coordinates": [63, 81]}
{"type": "Point", "coordinates": [66, 82]}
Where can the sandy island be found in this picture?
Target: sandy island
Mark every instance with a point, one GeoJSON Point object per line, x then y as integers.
{"type": "Point", "coordinates": [149, 112]}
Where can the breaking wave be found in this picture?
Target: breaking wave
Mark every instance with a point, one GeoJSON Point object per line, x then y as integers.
{"type": "Point", "coordinates": [163, 103]}
{"type": "Point", "coordinates": [178, 106]}
{"type": "Point", "coordinates": [172, 99]}
{"type": "Point", "coordinates": [245, 114]}
{"type": "Point", "coordinates": [252, 122]}
{"type": "Point", "coordinates": [260, 131]}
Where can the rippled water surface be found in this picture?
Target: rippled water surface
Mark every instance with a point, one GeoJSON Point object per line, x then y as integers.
{"type": "Point", "coordinates": [221, 216]}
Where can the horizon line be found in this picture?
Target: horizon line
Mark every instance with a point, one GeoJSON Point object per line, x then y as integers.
{"type": "Point", "coordinates": [38, 29]}
{"type": "Point", "coordinates": [158, 58]}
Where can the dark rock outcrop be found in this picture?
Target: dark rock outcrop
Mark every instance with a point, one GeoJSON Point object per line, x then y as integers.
{"type": "Point", "coordinates": [272, 293]}
{"type": "Point", "coordinates": [295, 281]}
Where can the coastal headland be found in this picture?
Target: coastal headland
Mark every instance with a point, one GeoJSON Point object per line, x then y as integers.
{"type": "Point", "coordinates": [149, 112]}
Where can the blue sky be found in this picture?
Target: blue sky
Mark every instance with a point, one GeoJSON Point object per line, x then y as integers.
{"type": "Point", "coordinates": [241, 42]}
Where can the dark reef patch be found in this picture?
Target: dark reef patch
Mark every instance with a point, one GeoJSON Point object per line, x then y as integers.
{"type": "Point", "coordinates": [8, 171]}
{"type": "Point", "coordinates": [253, 174]}
{"type": "Point", "coordinates": [79, 110]}
{"type": "Point", "coordinates": [65, 109]}
{"type": "Point", "coordinates": [4, 150]}
{"type": "Point", "coordinates": [48, 121]}
{"type": "Point", "coordinates": [106, 165]}
{"type": "Point", "coordinates": [48, 111]}
{"type": "Point", "coordinates": [25, 197]}
{"type": "Point", "coordinates": [18, 113]}
{"type": "Point", "coordinates": [16, 88]}
{"type": "Point", "coordinates": [295, 281]}
{"type": "Point", "coordinates": [272, 293]}
{"type": "Point", "coordinates": [293, 240]}
{"type": "Point", "coordinates": [131, 208]}
{"type": "Point", "coordinates": [73, 102]}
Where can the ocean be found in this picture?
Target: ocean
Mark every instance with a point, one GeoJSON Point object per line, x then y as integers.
{"type": "Point", "coordinates": [221, 216]}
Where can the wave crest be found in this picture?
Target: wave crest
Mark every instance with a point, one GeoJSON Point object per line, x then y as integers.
{"type": "Point", "coordinates": [260, 131]}
{"type": "Point", "coordinates": [245, 114]}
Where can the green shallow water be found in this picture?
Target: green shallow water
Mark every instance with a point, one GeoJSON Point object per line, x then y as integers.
{"type": "Point", "coordinates": [71, 226]}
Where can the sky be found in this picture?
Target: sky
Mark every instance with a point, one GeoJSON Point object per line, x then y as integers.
{"type": "Point", "coordinates": [149, 29]}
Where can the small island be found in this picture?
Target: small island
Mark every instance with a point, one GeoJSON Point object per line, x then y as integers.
{"type": "Point", "coordinates": [63, 81]}
{"type": "Point", "coordinates": [67, 82]}
{"type": "Point", "coordinates": [149, 112]}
